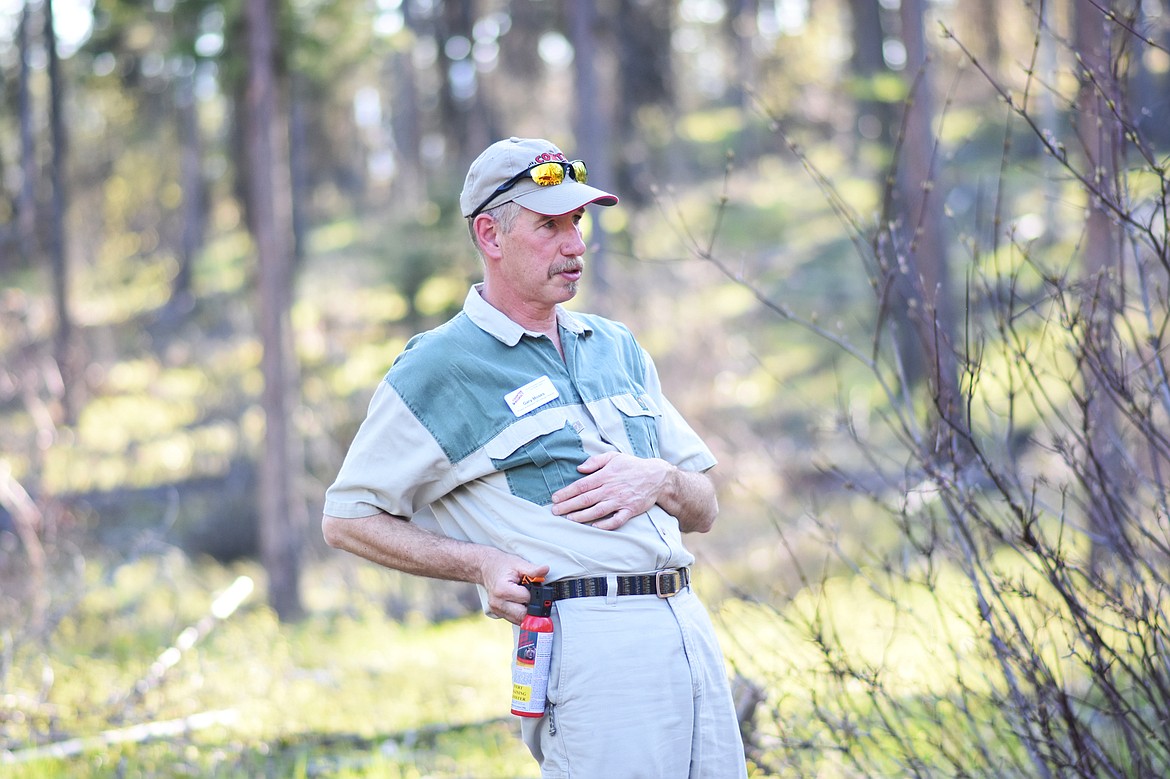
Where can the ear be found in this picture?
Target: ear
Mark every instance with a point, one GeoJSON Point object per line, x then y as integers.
{"type": "Point", "coordinates": [487, 235]}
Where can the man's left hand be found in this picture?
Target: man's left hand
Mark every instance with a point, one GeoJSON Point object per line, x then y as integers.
{"type": "Point", "coordinates": [616, 488]}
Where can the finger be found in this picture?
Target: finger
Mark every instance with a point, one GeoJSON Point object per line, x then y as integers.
{"type": "Point", "coordinates": [571, 491]}
{"type": "Point", "coordinates": [513, 615]}
{"type": "Point", "coordinates": [594, 514]}
{"type": "Point", "coordinates": [573, 504]}
{"type": "Point", "coordinates": [582, 485]}
{"type": "Point", "coordinates": [614, 521]}
{"type": "Point", "coordinates": [511, 610]}
{"type": "Point", "coordinates": [590, 466]}
{"type": "Point", "coordinates": [532, 574]}
{"type": "Point", "coordinates": [596, 462]}
{"type": "Point", "coordinates": [584, 508]}
{"type": "Point", "coordinates": [516, 615]}
{"type": "Point", "coordinates": [539, 572]}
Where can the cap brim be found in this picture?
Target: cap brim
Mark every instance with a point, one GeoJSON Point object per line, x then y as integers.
{"type": "Point", "coordinates": [563, 198]}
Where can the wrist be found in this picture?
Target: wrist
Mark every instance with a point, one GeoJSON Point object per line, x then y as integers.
{"type": "Point", "coordinates": [672, 482]}
{"type": "Point", "coordinates": [480, 571]}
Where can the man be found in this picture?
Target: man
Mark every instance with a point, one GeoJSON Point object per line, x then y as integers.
{"type": "Point", "coordinates": [536, 442]}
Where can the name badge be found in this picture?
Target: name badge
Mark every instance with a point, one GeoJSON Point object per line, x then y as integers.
{"type": "Point", "coordinates": [532, 395]}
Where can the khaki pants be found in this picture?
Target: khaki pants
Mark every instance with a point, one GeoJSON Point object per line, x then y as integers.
{"type": "Point", "coordinates": [637, 690]}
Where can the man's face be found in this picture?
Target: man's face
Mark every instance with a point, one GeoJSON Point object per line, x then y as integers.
{"type": "Point", "coordinates": [542, 258]}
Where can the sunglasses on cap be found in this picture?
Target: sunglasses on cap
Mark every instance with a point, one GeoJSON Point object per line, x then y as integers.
{"type": "Point", "coordinates": [544, 174]}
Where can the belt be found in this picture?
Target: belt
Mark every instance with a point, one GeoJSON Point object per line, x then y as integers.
{"type": "Point", "coordinates": [664, 584]}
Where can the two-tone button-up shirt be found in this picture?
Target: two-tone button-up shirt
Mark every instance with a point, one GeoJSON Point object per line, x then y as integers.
{"type": "Point", "coordinates": [478, 422]}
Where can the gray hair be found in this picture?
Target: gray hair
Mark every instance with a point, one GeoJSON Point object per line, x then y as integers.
{"type": "Point", "coordinates": [504, 215]}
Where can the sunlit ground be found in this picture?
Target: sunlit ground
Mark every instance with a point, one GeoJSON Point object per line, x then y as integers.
{"type": "Point", "coordinates": [347, 691]}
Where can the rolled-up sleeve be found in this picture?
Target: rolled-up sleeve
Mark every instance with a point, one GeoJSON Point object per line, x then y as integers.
{"type": "Point", "coordinates": [393, 465]}
{"type": "Point", "coordinates": [678, 443]}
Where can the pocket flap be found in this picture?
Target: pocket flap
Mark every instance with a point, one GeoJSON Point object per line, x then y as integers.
{"type": "Point", "coordinates": [523, 431]}
{"type": "Point", "coordinates": [636, 405]}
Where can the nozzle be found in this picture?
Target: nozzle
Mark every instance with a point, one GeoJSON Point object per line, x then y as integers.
{"type": "Point", "coordinates": [540, 598]}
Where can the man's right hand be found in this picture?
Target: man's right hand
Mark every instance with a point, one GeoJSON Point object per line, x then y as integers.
{"type": "Point", "coordinates": [500, 575]}
{"type": "Point", "coordinates": [399, 544]}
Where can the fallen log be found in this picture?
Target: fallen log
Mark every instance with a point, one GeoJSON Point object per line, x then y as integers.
{"type": "Point", "coordinates": [134, 734]}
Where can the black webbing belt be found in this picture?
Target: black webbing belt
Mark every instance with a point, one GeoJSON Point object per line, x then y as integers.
{"type": "Point", "coordinates": [664, 584]}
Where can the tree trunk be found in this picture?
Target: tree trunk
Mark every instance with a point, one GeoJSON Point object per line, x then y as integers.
{"type": "Point", "coordinates": [194, 204]}
{"type": "Point", "coordinates": [298, 161]}
{"type": "Point", "coordinates": [593, 132]}
{"type": "Point", "coordinates": [1161, 118]}
{"type": "Point", "coordinates": [406, 121]}
{"type": "Point", "coordinates": [405, 125]}
{"type": "Point", "coordinates": [1148, 88]}
{"type": "Point", "coordinates": [1100, 141]}
{"type": "Point", "coordinates": [26, 199]}
{"type": "Point", "coordinates": [643, 34]}
{"type": "Point", "coordinates": [987, 15]}
{"type": "Point", "coordinates": [923, 286]}
{"type": "Point", "coordinates": [464, 113]}
{"type": "Point", "coordinates": [742, 29]}
{"type": "Point", "coordinates": [58, 205]}
{"type": "Point", "coordinates": [875, 116]}
{"type": "Point", "coordinates": [921, 205]}
{"type": "Point", "coordinates": [281, 528]}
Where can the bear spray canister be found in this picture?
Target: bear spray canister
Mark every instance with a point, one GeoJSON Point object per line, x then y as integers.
{"type": "Point", "coordinates": [530, 665]}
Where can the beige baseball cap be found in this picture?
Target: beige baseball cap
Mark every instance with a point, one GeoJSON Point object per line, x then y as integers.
{"type": "Point", "coordinates": [505, 161]}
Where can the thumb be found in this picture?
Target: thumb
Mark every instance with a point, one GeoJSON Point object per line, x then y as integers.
{"type": "Point", "coordinates": [534, 571]}
{"type": "Point", "coordinates": [596, 462]}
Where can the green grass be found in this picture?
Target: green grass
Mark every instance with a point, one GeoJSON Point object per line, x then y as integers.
{"type": "Point", "coordinates": [350, 692]}
{"type": "Point", "coordinates": [345, 692]}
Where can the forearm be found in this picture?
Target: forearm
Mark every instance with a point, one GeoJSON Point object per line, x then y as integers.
{"type": "Point", "coordinates": [396, 543]}
{"type": "Point", "coordinates": [690, 497]}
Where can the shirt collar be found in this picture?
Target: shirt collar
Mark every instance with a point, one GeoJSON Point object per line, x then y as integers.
{"type": "Point", "coordinates": [497, 324]}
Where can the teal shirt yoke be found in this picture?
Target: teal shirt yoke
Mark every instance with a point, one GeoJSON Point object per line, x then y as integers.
{"type": "Point", "coordinates": [454, 380]}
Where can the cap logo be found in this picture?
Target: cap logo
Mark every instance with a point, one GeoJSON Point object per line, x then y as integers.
{"type": "Point", "coordinates": [549, 156]}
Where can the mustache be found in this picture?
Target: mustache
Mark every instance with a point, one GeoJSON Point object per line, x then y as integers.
{"type": "Point", "coordinates": [568, 266]}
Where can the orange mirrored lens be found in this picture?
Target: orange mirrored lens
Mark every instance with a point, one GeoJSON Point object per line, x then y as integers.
{"type": "Point", "coordinates": [548, 174]}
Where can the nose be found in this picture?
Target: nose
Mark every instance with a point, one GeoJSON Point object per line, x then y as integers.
{"type": "Point", "coordinates": [574, 244]}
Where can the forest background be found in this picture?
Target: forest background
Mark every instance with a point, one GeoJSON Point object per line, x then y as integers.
{"type": "Point", "coordinates": [902, 264]}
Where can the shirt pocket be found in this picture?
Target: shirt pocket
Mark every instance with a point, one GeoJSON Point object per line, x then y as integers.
{"type": "Point", "coordinates": [539, 455]}
{"type": "Point", "coordinates": [639, 415]}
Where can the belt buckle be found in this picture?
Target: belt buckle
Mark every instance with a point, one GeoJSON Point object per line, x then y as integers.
{"type": "Point", "coordinates": [660, 576]}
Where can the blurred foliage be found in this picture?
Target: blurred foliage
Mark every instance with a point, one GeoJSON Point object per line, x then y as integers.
{"type": "Point", "coordinates": [386, 676]}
